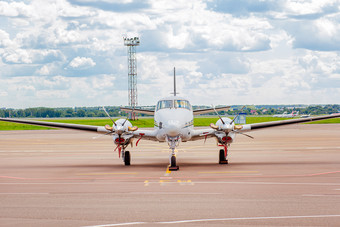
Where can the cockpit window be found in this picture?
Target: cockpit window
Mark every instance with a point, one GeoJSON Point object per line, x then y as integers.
{"type": "Point", "coordinates": [182, 104]}
{"type": "Point", "coordinates": [165, 104]}
{"type": "Point", "coordinates": [173, 104]}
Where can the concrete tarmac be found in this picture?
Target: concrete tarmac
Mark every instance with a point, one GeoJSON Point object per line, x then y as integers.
{"type": "Point", "coordinates": [286, 176]}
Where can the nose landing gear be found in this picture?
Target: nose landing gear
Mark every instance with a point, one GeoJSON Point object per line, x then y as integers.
{"type": "Point", "coordinates": [173, 166]}
{"type": "Point", "coordinates": [173, 143]}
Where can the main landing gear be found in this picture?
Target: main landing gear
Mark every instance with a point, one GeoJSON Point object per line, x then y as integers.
{"type": "Point", "coordinates": [223, 156]}
{"type": "Point", "coordinates": [126, 157]}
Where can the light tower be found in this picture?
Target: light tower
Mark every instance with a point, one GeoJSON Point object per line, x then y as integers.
{"type": "Point", "coordinates": [131, 43]}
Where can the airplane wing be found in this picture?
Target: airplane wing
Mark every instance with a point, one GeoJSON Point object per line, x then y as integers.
{"type": "Point", "coordinates": [146, 134]}
{"type": "Point", "coordinates": [90, 128]}
{"type": "Point", "coordinates": [203, 133]}
{"type": "Point", "coordinates": [142, 111]}
{"type": "Point", "coordinates": [209, 110]}
{"type": "Point", "coordinates": [255, 126]}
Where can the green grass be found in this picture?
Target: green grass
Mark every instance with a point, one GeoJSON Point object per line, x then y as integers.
{"type": "Point", "coordinates": [144, 122]}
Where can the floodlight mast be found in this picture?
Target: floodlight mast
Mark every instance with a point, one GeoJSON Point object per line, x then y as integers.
{"type": "Point", "coordinates": [131, 44]}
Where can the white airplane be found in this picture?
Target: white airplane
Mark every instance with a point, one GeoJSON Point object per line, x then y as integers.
{"type": "Point", "coordinates": [286, 115]}
{"type": "Point", "coordinates": [173, 117]}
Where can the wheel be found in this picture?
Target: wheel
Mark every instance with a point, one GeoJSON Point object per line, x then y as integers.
{"type": "Point", "coordinates": [173, 161]}
{"type": "Point", "coordinates": [222, 157]}
{"type": "Point", "coordinates": [127, 158]}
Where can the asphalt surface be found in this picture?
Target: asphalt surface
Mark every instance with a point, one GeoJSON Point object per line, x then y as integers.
{"type": "Point", "coordinates": [286, 176]}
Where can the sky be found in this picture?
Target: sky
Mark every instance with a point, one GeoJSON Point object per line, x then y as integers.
{"type": "Point", "coordinates": [226, 52]}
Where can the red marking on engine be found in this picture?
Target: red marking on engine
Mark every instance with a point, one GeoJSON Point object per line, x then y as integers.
{"type": "Point", "coordinates": [119, 141]}
{"type": "Point", "coordinates": [141, 135]}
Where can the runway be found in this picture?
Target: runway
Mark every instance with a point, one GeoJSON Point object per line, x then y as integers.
{"type": "Point", "coordinates": [286, 176]}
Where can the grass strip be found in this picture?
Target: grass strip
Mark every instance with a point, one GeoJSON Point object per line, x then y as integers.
{"type": "Point", "coordinates": [144, 122]}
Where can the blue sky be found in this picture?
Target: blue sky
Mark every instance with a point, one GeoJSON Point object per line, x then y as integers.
{"type": "Point", "coordinates": [71, 53]}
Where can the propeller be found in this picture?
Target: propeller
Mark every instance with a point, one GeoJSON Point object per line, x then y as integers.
{"type": "Point", "coordinates": [233, 129]}
{"type": "Point", "coordinates": [119, 129]}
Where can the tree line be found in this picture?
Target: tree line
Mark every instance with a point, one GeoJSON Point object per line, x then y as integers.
{"type": "Point", "coordinates": [114, 111]}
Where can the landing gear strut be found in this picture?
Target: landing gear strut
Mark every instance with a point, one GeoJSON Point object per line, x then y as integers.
{"type": "Point", "coordinates": [223, 156]}
{"type": "Point", "coordinates": [173, 142]}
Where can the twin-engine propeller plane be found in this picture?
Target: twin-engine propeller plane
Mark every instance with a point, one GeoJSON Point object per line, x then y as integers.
{"type": "Point", "coordinates": [173, 117]}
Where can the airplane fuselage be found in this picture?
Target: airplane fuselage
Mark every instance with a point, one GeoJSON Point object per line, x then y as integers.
{"type": "Point", "coordinates": [174, 117]}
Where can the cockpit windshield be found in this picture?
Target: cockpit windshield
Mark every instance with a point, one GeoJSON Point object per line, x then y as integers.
{"type": "Point", "coordinates": [182, 104]}
{"type": "Point", "coordinates": [173, 104]}
{"type": "Point", "coordinates": [165, 104]}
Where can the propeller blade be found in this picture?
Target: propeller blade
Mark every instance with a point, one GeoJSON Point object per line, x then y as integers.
{"type": "Point", "coordinates": [217, 114]}
{"type": "Point", "coordinates": [213, 126]}
{"type": "Point", "coordinates": [134, 128]}
{"type": "Point", "coordinates": [243, 134]}
{"type": "Point", "coordinates": [96, 137]}
{"type": "Point", "coordinates": [108, 127]}
{"type": "Point", "coordinates": [237, 115]}
{"type": "Point", "coordinates": [128, 115]}
{"type": "Point", "coordinates": [109, 116]}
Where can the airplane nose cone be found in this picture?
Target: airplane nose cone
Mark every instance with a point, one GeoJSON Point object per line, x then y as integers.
{"type": "Point", "coordinates": [172, 130]}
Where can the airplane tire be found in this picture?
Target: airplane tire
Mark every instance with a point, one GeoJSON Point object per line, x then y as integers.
{"type": "Point", "coordinates": [127, 158]}
{"type": "Point", "coordinates": [222, 158]}
{"type": "Point", "coordinates": [173, 161]}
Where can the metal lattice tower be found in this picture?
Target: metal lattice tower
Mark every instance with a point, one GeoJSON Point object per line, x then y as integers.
{"type": "Point", "coordinates": [131, 43]}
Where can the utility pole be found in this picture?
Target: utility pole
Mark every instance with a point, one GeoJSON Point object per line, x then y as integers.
{"type": "Point", "coordinates": [131, 43]}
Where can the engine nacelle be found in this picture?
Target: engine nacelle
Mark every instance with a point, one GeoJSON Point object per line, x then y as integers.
{"type": "Point", "coordinates": [121, 122]}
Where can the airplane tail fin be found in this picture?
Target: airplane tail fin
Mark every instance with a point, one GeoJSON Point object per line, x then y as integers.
{"type": "Point", "coordinates": [174, 81]}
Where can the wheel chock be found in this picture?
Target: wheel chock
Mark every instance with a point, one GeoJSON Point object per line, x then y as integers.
{"type": "Point", "coordinates": [223, 162]}
{"type": "Point", "coordinates": [173, 168]}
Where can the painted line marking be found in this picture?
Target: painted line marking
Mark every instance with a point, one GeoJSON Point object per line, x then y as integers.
{"type": "Point", "coordinates": [218, 219]}
{"type": "Point", "coordinates": [324, 195]}
{"type": "Point", "coordinates": [169, 178]}
{"type": "Point", "coordinates": [201, 177]}
{"type": "Point", "coordinates": [174, 193]}
{"type": "Point", "coordinates": [249, 218]}
{"type": "Point", "coordinates": [24, 193]}
{"type": "Point", "coordinates": [119, 224]}
{"type": "Point", "coordinates": [90, 174]}
{"type": "Point", "coordinates": [232, 172]}
{"type": "Point", "coordinates": [167, 172]}
{"type": "Point", "coordinates": [269, 183]}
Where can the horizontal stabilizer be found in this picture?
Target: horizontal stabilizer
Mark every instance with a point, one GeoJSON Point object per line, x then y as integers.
{"type": "Point", "coordinates": [209, 110]}
{"type": "Point", "coordinates": [141, 111]}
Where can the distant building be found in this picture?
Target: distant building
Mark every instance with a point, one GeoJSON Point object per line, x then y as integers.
{"type": "Point", "coordinates": [241, 118]}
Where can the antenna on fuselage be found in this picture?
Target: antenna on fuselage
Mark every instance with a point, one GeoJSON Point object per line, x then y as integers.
{"type": "Point", "coordinates": [174, 81]}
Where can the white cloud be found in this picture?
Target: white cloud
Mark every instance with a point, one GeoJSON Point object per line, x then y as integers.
{"type": "Point", "coordinates": [5, 40]}
{"type": "Point", "coordinates": [82, 63]}
{"type": "Point", "coordinates": [235, 53]}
